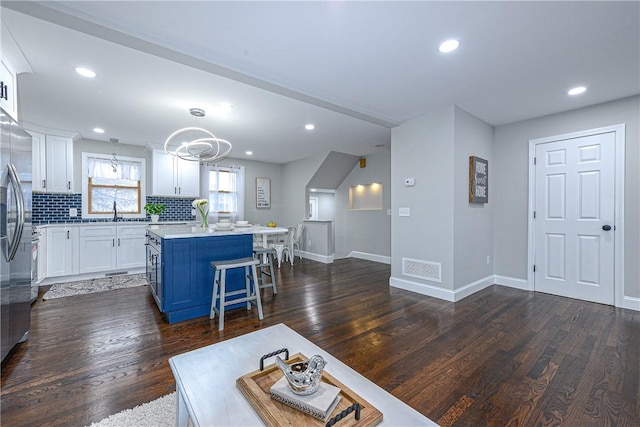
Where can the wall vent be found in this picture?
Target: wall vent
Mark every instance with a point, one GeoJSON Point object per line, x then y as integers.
{"type": "Point", "coordinates": [426, 270]}
{"type": "Point", "coordinates": [116, 273]}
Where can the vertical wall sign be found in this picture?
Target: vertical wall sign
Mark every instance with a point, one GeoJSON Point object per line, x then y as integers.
{"type": "Point", "coordinates": [478, 180]}
{"type": "Point", "coordinates": [263, 193]}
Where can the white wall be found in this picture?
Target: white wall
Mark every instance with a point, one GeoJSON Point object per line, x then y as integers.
{"type": "Point", "coordinates": [423, 148]}
{"type": "Point", "coordinates": [295, 177]}
{"type": "Point", "coordinates": [510, 182]}
{"type": "Point", "coordinates": [473, 222]}
{"type": "Point", "coordinates": [367, 232]}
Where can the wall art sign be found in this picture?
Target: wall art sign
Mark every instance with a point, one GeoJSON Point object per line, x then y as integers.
{"type": "Point", "coordinates": [478, 180]}
{"type": "Point", "coordinates": [263, 193]}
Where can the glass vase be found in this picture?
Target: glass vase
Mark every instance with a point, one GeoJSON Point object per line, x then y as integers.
{"type": "Point", "coordinates": [205, 219]}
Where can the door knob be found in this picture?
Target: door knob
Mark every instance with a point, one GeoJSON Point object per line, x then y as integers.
{"type": "Point", "coordinates": [606, 227]}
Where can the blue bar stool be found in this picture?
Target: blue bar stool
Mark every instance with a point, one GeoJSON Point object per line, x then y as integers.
{"type": "Point", "coordinates": [265, 256]}
{"type": "Point", "coordinates": [219, 287]}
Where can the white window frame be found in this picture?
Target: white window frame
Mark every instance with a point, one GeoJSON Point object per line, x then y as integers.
{"type": "Point", "coordinates": [85, 186]}
{"type": "Point", "coordinates": [240, 191]}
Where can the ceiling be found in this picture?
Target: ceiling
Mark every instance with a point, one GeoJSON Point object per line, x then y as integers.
{"type": "Point", "coordinates": [354, 69]}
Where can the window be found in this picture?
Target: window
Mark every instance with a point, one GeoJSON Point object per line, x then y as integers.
{"type": "Point", "coordinates": [226, 192]}
{"type": "Point", "coordinates": [112, 185]}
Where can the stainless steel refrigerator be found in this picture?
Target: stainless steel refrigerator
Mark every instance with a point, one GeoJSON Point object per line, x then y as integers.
{"type": "Point", "coordinates": [15, 233]}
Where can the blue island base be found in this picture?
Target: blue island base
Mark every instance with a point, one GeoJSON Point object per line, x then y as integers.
{"type": "Point", "coordinates": [185, 286]}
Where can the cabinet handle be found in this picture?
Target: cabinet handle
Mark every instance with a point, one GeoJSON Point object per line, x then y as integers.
{"type": "Point", "coordinates": [175, 190]}
{"type": "Point", "coordinates": [69, 185]}
{"type": "Point", "coordinates": [67, 234]}
{"type": "Point", "coordinates": [44, 183]}
{"type": "Point", "coordinates": [113, 243]}
{"type": "Point", "coordinates": [179, 190]}
{"type": "Point", "coordinates": [118, 241]}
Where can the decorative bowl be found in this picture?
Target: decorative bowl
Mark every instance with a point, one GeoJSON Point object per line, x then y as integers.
{"type": "Point", "coordinates": [242, 222]}
{"type": "Point", "coordinates": [221, 225]}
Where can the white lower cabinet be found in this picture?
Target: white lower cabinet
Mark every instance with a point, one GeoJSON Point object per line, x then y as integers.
{"type": "Point", "coordinates": [62, 251]}
{"type": "Point", "coordinates": [112, 247]}
{"type": "Point", "coordinates": [131, 251]}
{"type": "Point", "coordinates": [97, 249]}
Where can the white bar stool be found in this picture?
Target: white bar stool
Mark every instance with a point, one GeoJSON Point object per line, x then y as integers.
{"type": "Point", "coordinates": [265, 256]}
{"type": "Point", "coordinates": [219, 287]}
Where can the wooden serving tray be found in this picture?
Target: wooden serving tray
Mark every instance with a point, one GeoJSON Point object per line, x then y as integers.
{"type": "Point", "coordinates": [256, 385]}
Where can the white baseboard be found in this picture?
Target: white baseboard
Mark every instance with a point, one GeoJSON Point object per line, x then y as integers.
{"type": "Point", "coordinates": [473, 287]}
{"type": "Point", "coordinates": [631, 303]}
{"type": "Point", "coordinates": [325, 259]}
{"type": "Point", "coordinates": [441, 293]}
{"type": "Point", "coordinates": [370, 257]}
{"type": "Point", "coordinates": [512, 282]}
{"type": "Point", "coordinates": [422, 288]}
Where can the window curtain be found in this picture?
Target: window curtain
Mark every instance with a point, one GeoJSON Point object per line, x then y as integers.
{"type": "Point", "coordinates": [103, 168]}
{"type": "Point", "coordinates": [224, 188]}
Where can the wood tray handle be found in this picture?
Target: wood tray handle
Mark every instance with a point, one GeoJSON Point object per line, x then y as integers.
{"type": "Point", "coordinates": [266, 356]}
{"type": "Point", "coordinates": [355, 407]}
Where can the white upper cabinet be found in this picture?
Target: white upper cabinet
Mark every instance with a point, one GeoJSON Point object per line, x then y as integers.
{"type": "Point", "coordinates": [52, 163]}
{"type": "Point", "coordinates": [12, 64]}
{"type": "Point", "coordinates": [174, 177]}
{"type": "Point", "coordinates": [8, 90]}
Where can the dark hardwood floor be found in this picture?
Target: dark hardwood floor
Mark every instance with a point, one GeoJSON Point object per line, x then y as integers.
{"type": "Point", "coordinates": [501, 357]}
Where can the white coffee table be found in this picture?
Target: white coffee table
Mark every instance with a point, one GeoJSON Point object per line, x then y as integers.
{"type": "Point", "coordinates": [206, 380]}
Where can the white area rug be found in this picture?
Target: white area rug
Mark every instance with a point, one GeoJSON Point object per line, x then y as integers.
{"type": "Point", "coordinates": [157, 413]}
{"type": "Point", "coordinates": [95, 285]}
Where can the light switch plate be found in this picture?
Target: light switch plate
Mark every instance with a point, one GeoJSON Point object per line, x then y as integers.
{"type": "Point", "coordinates": [404, 211]}
{"type": "Point", "coordinates": [73, 212]}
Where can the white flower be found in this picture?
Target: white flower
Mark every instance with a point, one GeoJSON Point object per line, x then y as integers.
{"type": "Point", "coordinates": [199, 203]}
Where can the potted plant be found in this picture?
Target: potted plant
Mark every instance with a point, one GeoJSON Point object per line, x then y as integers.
{"type": "Point", "coordinates": [155, 209]}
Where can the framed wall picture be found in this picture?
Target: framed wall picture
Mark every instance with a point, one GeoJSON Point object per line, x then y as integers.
{"type": "Point", "coordinates": [478, 180]}
{"type": "Point", "coordinates": [263, 193]}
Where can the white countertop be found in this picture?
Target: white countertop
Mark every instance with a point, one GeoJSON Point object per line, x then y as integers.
{"type": "Point", "coordinates": [179, 231]}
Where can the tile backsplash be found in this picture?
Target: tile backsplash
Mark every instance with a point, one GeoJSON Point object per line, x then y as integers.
{"type": "Point", "coordinates": [53, 208]}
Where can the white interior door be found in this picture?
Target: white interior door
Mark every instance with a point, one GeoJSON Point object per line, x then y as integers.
{"type": "Point", "coordinates": [574, 208]}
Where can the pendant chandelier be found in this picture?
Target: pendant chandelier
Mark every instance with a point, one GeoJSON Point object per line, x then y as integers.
{"type": "Point", "coordinates": [197, 144]}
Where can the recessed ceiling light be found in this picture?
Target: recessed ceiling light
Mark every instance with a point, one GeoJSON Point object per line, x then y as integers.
{"type": "Point", "coordinates": [249, 153]}
{"type": "Point", "coordinates": [309, 126]}
{"type": "Point", "coordinates": [577, 90]}
{"type": "Point", "coordinates": [98, 130]}
{"type": "Point", "coordinates": [225, 106]}
{"type": "Point", "coordinates": [85, 72]}
{"type": "Point", "coordinates": [449, 46]}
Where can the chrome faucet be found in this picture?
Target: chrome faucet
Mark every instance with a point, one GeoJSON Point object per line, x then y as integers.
{"type": "Point", "coordinates": [115, 212]}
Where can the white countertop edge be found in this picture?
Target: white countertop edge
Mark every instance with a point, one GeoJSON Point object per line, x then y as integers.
{"type": "Point", "coordinates": [95, 224]}
{"type": "Point", "coordinates": [189, 231]}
